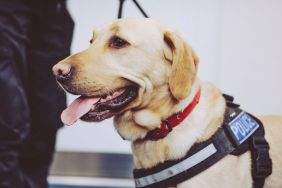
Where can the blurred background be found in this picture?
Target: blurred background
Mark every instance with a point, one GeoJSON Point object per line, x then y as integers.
{"type": "Point", "coordinates": [239, 44]}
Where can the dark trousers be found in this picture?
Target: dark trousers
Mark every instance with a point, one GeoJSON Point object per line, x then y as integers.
{"type": "Point", "coordinates": [34, 35]}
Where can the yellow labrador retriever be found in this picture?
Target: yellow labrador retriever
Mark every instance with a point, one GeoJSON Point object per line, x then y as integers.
{"type": "Point", "coordinates": [142, 72]}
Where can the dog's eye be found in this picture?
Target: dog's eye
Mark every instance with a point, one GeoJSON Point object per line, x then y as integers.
{"type": "Point", "coordinates": [117, 42]}
{"type": "Point", "coordinates": [91, 41]}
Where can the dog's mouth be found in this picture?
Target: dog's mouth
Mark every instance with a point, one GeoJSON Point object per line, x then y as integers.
{"type": "Point", "coordinates": [98, 108]}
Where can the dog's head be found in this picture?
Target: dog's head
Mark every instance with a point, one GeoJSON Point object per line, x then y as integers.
{"type": "Point", "coordinates": [133, 69]}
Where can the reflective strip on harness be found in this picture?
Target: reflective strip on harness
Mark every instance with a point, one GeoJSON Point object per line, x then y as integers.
{"type": "Point", "coordinates": [177, 168]}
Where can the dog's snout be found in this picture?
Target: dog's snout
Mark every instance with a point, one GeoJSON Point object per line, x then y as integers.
{"type": "Point", "coordinates": [63, 72]}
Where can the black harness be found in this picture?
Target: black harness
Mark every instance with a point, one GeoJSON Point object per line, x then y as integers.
{"type": "Point", "coordinates": [227, 140]}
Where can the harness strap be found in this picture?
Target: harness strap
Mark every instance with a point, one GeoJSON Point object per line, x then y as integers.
{"type": "Point", "coordinates": [261, 161]}
{"type": "Point", "coordinates": [200, 157]}
{"type": "Point", "coordinates": [259, 147]}
{"type": "Point", "coordinates": [228, 139]}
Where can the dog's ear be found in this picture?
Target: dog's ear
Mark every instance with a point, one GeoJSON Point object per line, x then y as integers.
{"type": "Point", "coordinates": [184, 66]}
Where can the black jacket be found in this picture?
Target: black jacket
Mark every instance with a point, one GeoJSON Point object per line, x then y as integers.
{"type": "Point", "coordinates": [34, 35]}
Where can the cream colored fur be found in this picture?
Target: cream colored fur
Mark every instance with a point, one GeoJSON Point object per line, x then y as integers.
{"type": "Point", "coordinates": [165, 68]}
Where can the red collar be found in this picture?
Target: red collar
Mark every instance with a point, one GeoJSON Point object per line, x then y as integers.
{"type": "Point", "coordinates": [173, 121]}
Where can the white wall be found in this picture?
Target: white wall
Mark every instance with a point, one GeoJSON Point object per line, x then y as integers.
{"type": "Point", "coordinates": [238, 43]}
{"type": "Point", "coordinates": [250, 53]}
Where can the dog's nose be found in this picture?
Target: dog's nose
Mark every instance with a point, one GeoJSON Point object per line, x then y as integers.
{"type": "Point", "coordinates": [62, 71]}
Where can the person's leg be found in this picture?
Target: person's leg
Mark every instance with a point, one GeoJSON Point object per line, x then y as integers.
{"type": "Point", "coordinates": [50, 36]}
{"type": "Point", "coordinates": [14, 110]}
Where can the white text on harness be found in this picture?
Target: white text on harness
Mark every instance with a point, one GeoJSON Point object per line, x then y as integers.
{"type": "Point", "coordinates": [243, 126]}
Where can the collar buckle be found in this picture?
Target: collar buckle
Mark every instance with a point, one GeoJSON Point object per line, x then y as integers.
{"type": "Point", "coordinates": [167, 124]}
{"type": "Point", "coordinates": [178, 115]}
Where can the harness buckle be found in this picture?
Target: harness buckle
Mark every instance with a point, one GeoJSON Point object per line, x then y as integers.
{"type": "Point", "coordinates": [262, 165]}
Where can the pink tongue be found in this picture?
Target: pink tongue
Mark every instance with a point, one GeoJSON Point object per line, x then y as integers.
{"type": "Point", "coordinates": [77, 109]}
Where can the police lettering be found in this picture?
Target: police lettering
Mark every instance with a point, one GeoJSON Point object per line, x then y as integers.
{"type": "Point", "coordinates": [243, 126]}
